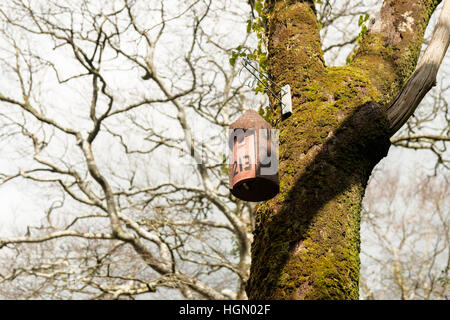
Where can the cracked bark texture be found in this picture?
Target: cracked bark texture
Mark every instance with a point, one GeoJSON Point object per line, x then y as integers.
{"type": "Point", "coordinates": [306, 240]}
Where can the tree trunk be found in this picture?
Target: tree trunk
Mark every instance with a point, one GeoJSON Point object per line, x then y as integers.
{"type": "Point", "coordinates": [306, 240]}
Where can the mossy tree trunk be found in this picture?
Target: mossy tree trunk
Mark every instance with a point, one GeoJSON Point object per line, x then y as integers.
{"type": "Point", "coordinates": [306, 241]}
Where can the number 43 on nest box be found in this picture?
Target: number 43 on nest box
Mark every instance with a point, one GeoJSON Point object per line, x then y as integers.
{"type": "Point", "coordinates": [253, 158]}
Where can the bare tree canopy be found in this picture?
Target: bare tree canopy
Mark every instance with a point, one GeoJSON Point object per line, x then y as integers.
{"type": "Point", "coordinates": [100, 103]}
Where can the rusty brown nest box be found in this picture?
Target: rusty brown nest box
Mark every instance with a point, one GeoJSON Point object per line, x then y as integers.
{"type": "Point", "coordinates": [253, 165]}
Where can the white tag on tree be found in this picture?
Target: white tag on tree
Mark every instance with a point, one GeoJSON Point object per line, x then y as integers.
{"type": "Point", "coordinates": [286, 101]}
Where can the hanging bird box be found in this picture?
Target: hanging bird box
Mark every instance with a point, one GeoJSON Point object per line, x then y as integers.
{"type": "Point", "coordinates": [253, 166]}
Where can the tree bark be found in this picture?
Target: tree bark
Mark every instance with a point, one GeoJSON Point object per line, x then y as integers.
{"type": "Point", "coordinates": [424, 77]}
{"type": "Point", "coordinates": [306, 240]}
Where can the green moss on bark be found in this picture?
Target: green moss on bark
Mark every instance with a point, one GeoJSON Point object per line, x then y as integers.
{"type": "Point", "coordinates": [306, 241]}
{"type": "Point", "coordinates": [307, 238]}
{"type": "Point", "coordinates": [390, 52]}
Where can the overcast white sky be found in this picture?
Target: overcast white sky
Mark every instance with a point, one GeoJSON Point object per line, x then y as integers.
{"type": "Point", "coordinates": [21, 205]}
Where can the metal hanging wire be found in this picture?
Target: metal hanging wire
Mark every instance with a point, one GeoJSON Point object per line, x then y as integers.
{"type": "Point", "coordinates": [247, 63]}
{"type": "Point", "coordinates": [285, 100]}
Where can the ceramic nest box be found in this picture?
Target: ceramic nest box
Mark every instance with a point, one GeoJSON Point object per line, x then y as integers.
{"type": "Point", "coordinates": [253, 166]}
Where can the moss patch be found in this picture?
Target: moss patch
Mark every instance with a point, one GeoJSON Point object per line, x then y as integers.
{"type": "Point", "coordinates": [306, 241]}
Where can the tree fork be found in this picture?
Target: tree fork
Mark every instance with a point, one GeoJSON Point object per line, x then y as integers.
{"type": "Point", "coordinates": [306, 239]}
